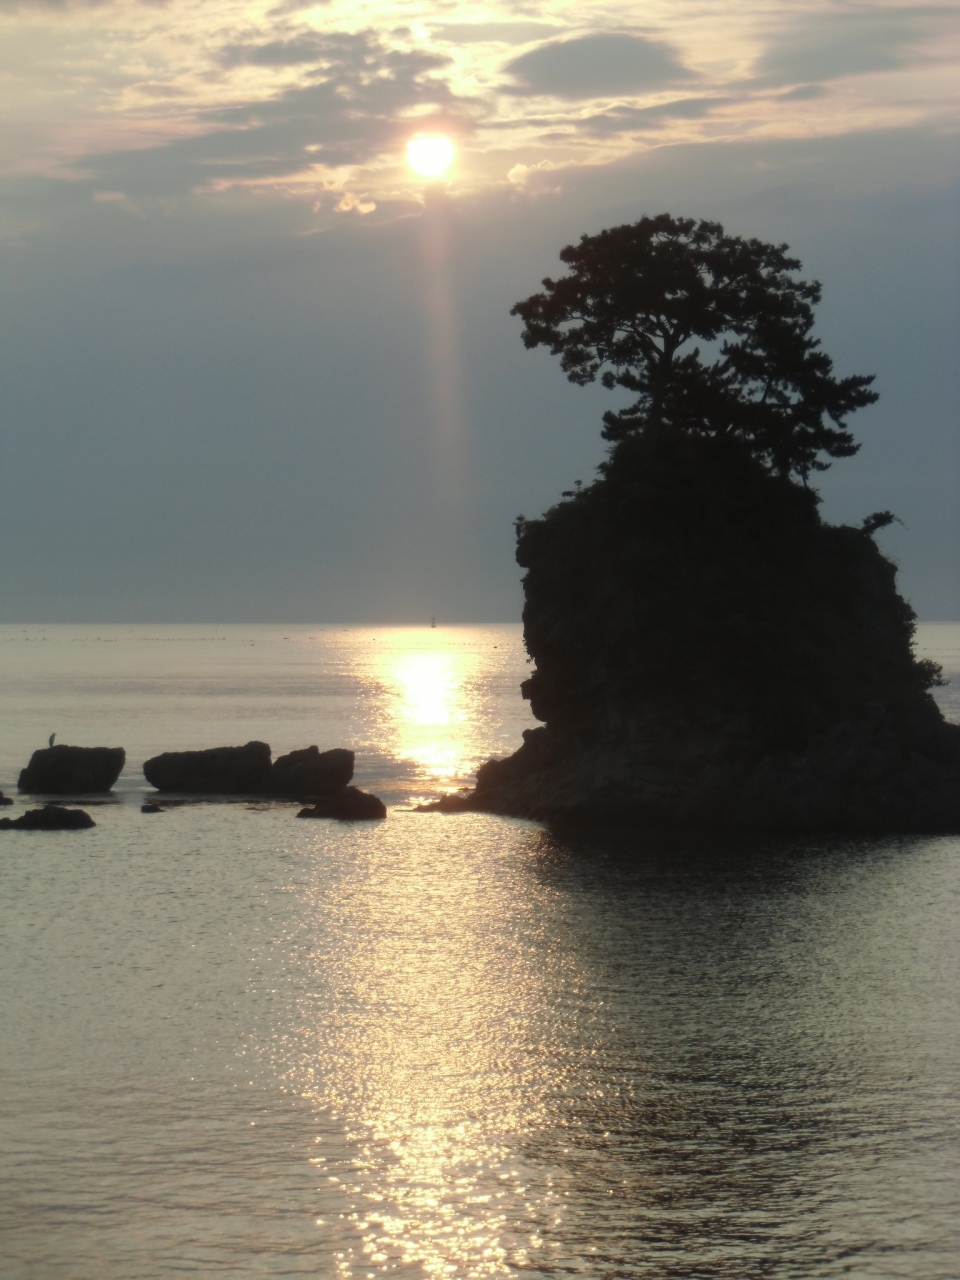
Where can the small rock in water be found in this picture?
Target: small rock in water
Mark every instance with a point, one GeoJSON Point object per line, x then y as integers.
{"type": "Point", "coordinates": [52, 817]}
{"type": "Point", "coordinates": [63, 769]}
{"type": "Point", "coordinates": [231, 771]}
{"type": "Point", "coordinates": [151, 807]}
{"type": "Point", "coordinates": [446, 804]}
{"type": "Point", "coordinates": [349, 805]}
{"type": "Point", "coordinates": [311, 772]}
{"type": "Point", "coordinates": [5, 799]}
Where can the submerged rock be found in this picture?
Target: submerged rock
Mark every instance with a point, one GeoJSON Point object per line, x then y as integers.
{"type": "Point", "coordinates": [349, 804]}
{"type": "Point", "coordinates": [311, 772]}
{"type": "Point", "coordinates": [52, 817]}
{"type": "Point", "coordinates": [55, 770]}
{"type": "Point", "coordinates": [454, 802]}
{"type": "Point", "coordinates": [151, 807]}
{"type": "Point", "coordinates": [234, 771]}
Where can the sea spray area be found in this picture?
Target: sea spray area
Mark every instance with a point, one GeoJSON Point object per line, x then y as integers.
{"type": "Point", "coordinates": [240, 1045]}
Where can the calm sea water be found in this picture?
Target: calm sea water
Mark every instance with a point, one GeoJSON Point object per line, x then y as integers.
{"type": "Point", "coordinates": [235, 1044]}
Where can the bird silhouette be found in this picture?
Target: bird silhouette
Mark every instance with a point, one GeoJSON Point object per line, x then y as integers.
{"type": "Point", "coordinates": [52, 736]}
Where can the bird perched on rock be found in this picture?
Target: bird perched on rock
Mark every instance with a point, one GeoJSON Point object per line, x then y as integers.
{"type": "Point", "coordinates": [52, 736]}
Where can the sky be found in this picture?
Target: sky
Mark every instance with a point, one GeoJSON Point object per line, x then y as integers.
{"type": "Point", "coordinates": [253, 368]}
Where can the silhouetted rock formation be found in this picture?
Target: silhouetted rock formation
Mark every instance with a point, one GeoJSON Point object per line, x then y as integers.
{"type": "Point", "coordinates": [5, 799]}
{"type": "Point", "coordinates": [233, 771]}
{"type": "Point", "coordinates": [60, 769]}
{"type": "Point", "coordinates": [306, 775]}
{"type": "Point", "coordinates": [350, 804]}
{"type": "Point", "coordinates": [302, 775]}
{"type": "Point", "coordinates": [52, 817]}
{"type": "Point", "coordinates": [710, 652]}
{"type": "Point", "coordinates": [151, 807]}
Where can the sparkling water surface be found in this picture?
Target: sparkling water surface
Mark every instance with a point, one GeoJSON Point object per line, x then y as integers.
{"type": "Point", "coordinates": [238, 1044]}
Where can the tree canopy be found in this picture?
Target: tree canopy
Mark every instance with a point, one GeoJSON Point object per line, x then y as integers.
{"type": "Point", "coordinates": [641, 297]}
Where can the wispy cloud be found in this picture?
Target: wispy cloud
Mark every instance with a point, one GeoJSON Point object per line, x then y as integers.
{"type": "Point", "coordinates": [495, 32]}
{"type": "Point", "coordinates": [832, 46]}
{"type": "Point", "coordinates": [642, 119]}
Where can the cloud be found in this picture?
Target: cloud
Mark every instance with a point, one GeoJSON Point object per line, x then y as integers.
{"type": "Point", "coordinates": [67, 6]}
{"type": "Point", "coordinates": [803, 93]}
{"type": "Point", "coordinates": [495, 32]}
{"type": "Point", "coordinates": [295, 6]}
{"type": "Point", "coordinates": [846, 44]}
{"type": "Point", "coordinates": [155, 90]}
{"type": "Point", "coordinates": [604, 65]}
{"type": "Point", "coordinates": [352, 114]}
{"type": "Point", "coordinates": [634, 119]}
{"type": "Point", "coordinates": [307, 47]}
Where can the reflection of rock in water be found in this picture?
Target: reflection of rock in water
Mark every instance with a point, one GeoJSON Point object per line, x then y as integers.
{"type": "Point", "coordinates": [728, 1037]}
{"type": "Point", "coordinates": [710, 652]}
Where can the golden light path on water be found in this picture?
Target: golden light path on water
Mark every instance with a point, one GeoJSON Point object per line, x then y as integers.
{"type": "Point", "coordinates": [427, 1022]}
{"type": "Point", "coordinates": [428, 710]}
{"type": "Point", "coordinates": [432, 703]}
{"type": "Point", "coordinates": [427, 1031]}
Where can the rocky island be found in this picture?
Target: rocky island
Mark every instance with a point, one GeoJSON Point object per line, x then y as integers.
{"type": "Point", "coordinates": [709, 651]}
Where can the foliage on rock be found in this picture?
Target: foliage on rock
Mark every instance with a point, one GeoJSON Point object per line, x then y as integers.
{"type": "Point", "coordinates": [640, 297]}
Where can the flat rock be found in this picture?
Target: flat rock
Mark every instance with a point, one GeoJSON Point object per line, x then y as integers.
{"type": "Point", "coordinates": [55, 770]}
{"type": "Point", "coordinates": [350, 804]}
{"type": "Point", "coordinates": [302, 775]}
{"type": "Point", "coordinates": [52, 817]}
{"type": "Point", "coordinates": [232, 771]}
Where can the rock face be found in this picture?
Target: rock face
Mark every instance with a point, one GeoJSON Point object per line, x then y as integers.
{"type": "Point", "coordinates": [349, 804]}
{"type": "Point", "coordinates": [234, 771]}
{"type": "Point", "coordinates": [52, 817]}
{"type": "Point", "coordinates": [59, 769]}
{"type": "Point", "coordinates": [709, 652]}
{"type": "Point", "coordinates": [303, 775]}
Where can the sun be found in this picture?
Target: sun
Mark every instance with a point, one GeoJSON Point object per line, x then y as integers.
{"type": "Point", "coordinates": [430, 154]}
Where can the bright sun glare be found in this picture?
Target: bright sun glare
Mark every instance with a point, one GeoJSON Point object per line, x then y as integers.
{"type": "Point", "coordinates": [430, 155]}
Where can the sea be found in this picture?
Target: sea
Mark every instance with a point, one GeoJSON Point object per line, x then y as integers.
{"type": "Point", "coordinates": [238, 1044]}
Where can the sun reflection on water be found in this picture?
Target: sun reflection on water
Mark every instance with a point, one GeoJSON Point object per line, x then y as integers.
{"type": "Point", "coordinates": [429, 711]}
{"type": "Point", "coordinates": [429, 1031]}
{"type": "Point", "coordinates": [434, 715]}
